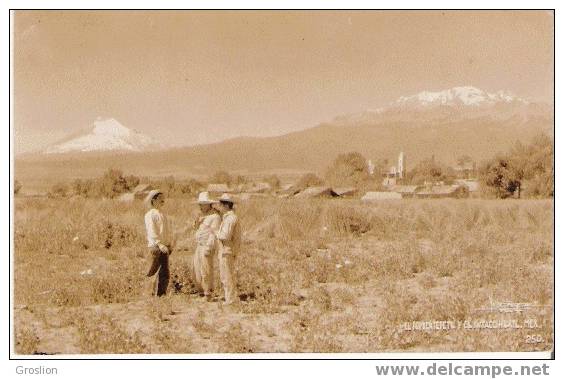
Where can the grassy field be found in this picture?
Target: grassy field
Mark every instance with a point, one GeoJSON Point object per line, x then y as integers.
{"type": "Point", "coordinates": [315, 276]}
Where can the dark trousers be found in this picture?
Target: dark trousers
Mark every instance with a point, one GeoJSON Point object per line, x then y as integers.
{"type": "Point", "coordinates": [159, 263]}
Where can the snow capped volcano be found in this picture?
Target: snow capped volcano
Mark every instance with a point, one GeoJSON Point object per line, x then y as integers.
{"type": "Point", "coordinates": [106, 135]}
{"type": "Point", "coordinates": [457, 96]}
{"type": "Point", "coordinates": [452, 104]}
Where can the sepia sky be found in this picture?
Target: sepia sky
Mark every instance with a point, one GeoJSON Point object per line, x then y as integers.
{"type": "Point", "coordinates": [193, 77]}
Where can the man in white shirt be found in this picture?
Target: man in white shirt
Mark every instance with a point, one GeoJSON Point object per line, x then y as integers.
{"type": "Point", "coordinates": [229, 237]}
{"type": "Point", "coordinates": [206, 245]}
{"type": "Point", "coordinates": [160, 242]}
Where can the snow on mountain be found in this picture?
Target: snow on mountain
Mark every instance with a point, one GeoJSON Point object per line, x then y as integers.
{"type": "Point", "coordinates": [106, 135]}
{"type": "Point", "coordinates": [463, 102]}
{"type": "Point", "coordinates": [457, 96]}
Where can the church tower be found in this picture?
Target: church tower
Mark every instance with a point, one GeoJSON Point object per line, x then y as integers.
{"type": "Point", "coordinates": [401, 165]}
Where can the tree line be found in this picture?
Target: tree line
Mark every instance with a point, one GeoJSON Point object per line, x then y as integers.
{"type": "Point", "coordinates": [114, 183]}
{"type": "Point", "coordinates": [528, 168]}
{"type": "Point", "coordinates": [525, 167]}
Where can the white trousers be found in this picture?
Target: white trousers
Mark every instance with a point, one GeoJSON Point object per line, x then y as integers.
{"type": "Point", "coordinates": [228, 277]}
{"type": "Point", "coordinates": [203, 270]}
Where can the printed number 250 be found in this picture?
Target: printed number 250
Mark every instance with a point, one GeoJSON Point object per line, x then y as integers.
{"type": "Point", "coordinates": [534, 338]}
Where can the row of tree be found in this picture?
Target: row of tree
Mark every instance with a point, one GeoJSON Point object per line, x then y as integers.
{"type": "Point", "coordinates": [114, 183]}
{"type": "Point", "coordinates": [525, 166]}
{"type": "Point", "coordinates": [224, 177]}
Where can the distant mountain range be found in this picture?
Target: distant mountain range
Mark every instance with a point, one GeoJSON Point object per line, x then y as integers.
{"type": "Point", "coordinates": [445, 124]}
{"type": "Point", "coordinates": [458, 96]}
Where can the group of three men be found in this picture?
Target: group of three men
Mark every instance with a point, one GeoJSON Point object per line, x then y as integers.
{"type": "Point", "coordinates": [217, 231]}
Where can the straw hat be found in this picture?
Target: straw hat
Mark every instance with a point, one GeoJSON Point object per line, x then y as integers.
{"type": "Point", "coordinates": [226, 198]}
{"type": "Point", "coordinates": [204, 198]}
{"type": "Point", "coordinates": [151, 195]}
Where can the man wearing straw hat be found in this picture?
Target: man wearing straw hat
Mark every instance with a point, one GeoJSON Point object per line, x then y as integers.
{"type": "Point", "coordinates": [160, 241]}
{"type": "Point", "coordinates": [206, 245]}
{"type": "Point", "coordinates": [229, 238]}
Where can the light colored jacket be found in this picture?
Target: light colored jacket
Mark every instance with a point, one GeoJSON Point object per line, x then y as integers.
{"type": "Point", "coordinates": [159, 228]}
{"type": "Point", "coordinates": [207, 231]}
{"type": "Point", "coordinates": [229, 234]}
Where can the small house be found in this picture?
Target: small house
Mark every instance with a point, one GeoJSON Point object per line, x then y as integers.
{"type": "Point", "coordinates": [313, 192]}
{"type": "Point", "coordinates": [443, 191]}
{"type": "Point", "coordinates": [378, 196]}
{"type": "Point", "coordinates": [472, 185]}
{"type": "Point", "coordinates": [406, 191]}
{"type": "Point", "coordinates": [465, 170]}
{"type": "Point", "coordinates": [345, 191]}
{"type": "Point", "coordinates": [288, 190]}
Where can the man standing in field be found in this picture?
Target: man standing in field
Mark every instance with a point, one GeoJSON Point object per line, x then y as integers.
{"type": "Point", "coordinates": [229, 237]}
{"type": "Point", "coordinates": [160, 241]}
{"type": "Point", "coordinates": [206, 245]}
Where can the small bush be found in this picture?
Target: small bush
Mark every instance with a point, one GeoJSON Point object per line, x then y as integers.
{"type": "Point", "coordinates": [26, 341]}
{"type": "Point", "coordinates": [58, 190]}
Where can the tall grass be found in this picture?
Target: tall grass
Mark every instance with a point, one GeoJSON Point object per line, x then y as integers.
{"type": "Point", "coordinates": [416, 259]}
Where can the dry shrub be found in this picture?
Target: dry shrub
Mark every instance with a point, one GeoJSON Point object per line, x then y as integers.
{"type": "Point", "coordinates": [109, 234]}
{"type": "Point", "coordinates": [169, 341]}
{"type": "Point", "coordinates": [204, 328]}
{"type": "Point", "coordinates": [66, 296]}
{"type": "Point", "coordinates": [27, 341]}
{"type": "Point", "coordinates": [398, 307]}
{"type": "Point", "coordinates": [116, 289]}
{"type": "Point", "coordinates": [311, 335]}
{"type": "Point", "coordinates": [444, 307]}
{"type": "Point", "coordinates": [293, 219]}
{"type": "Point", "coordinates": [235, 340]}
{"type": "Point", "coordinates": [395, 261]}
{"type": "Point", "coordinates": [100, 334]}
{"type": "Point", "coordinates": [344, 221]}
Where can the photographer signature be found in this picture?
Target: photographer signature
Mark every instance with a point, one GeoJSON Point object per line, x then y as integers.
{"type": "Point", "coordinates": [509, 307]}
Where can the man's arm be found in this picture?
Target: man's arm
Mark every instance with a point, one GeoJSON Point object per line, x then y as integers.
{"type": "Point", "coordinates": [226, 230]}
{"type": "Point", "coordinates": [213, 230]}
{"type": "Point", "coordinates": [152, 235]}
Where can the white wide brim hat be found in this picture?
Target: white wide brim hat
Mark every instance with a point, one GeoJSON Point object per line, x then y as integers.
{"type": "Point", "coordinates": [204, 198]}
{"type": "Point", "coordinates": [151, 195]}
{"type": "Point", "coordinates": [226, 198]}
